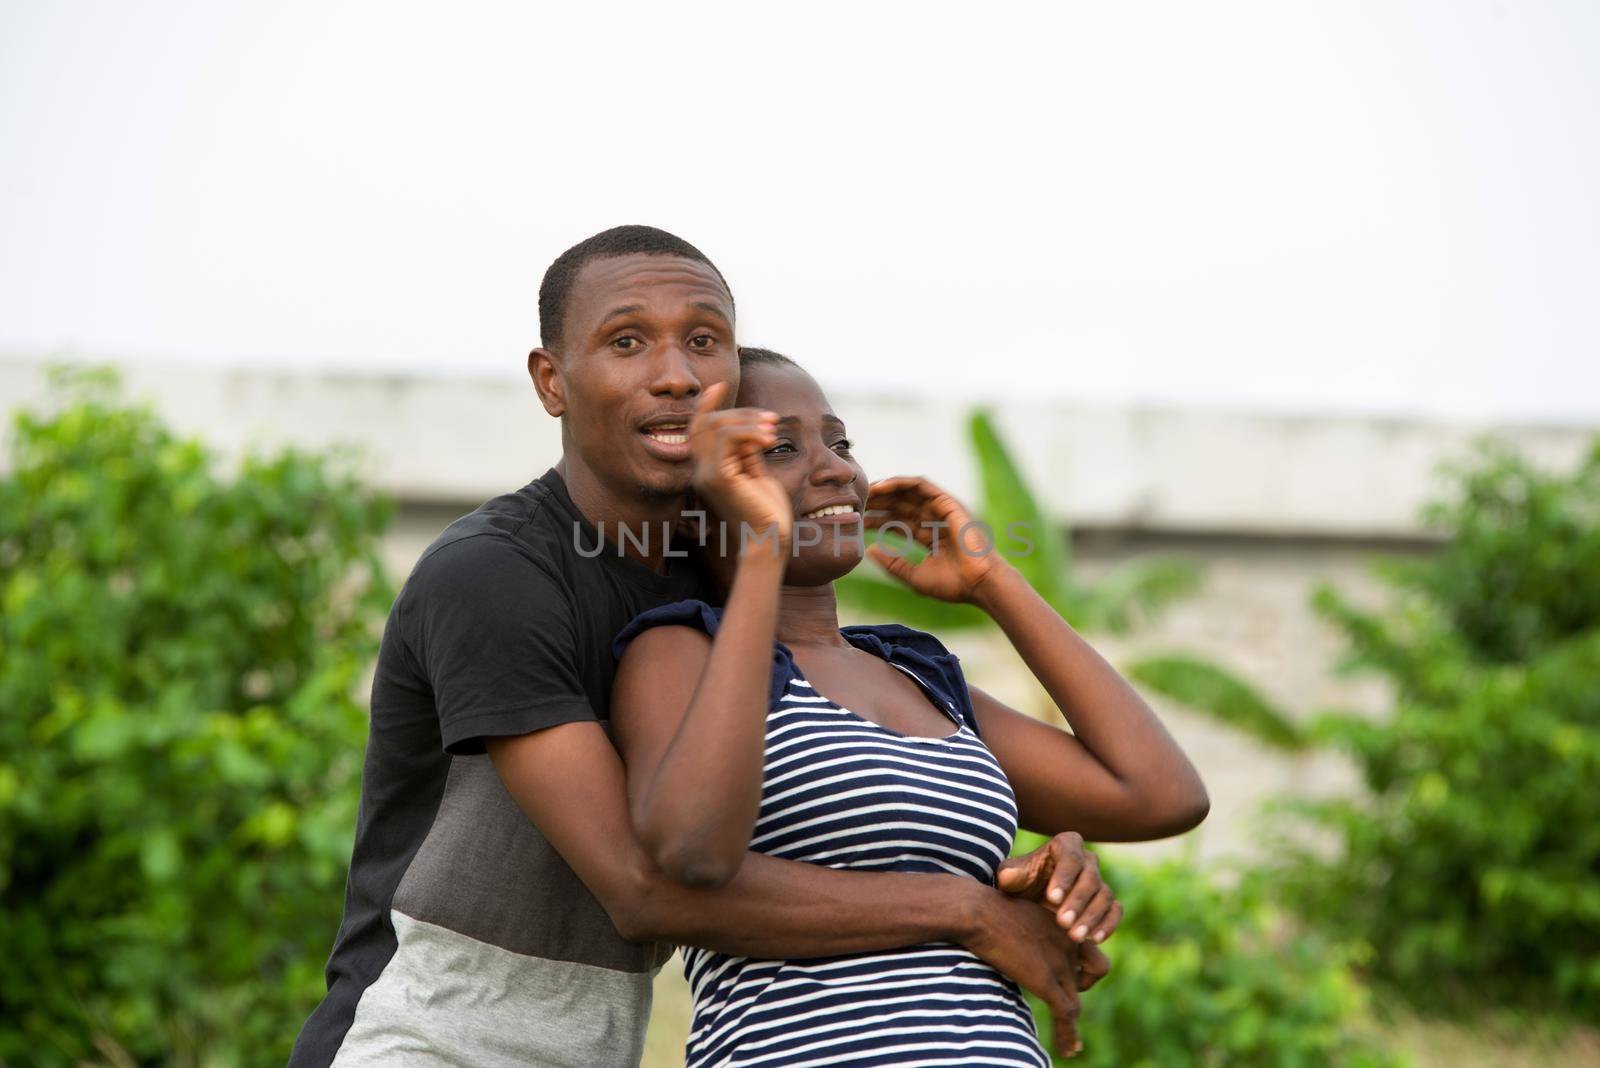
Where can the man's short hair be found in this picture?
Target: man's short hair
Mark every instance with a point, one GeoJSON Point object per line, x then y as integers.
{"type": "Point", "coordinates": [754, 357]}
{"type": "Point", "coordinates": [556, 289]}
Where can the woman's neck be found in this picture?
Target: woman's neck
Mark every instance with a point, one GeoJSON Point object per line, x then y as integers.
{"type": "Point", "coordinates": [809, 615]}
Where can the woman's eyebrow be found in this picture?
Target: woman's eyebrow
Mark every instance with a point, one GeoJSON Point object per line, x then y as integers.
{"type": "Point", "coordinates": [831, 420]}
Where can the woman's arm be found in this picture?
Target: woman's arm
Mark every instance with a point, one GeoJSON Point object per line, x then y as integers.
{"type": "Point", "coordinates": [1120, 776]}
{"type": "Point", "coordinates": [689, 716]}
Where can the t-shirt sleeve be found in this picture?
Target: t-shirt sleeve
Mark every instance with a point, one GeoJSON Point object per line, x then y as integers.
{"type": "Point", "coordinates": [496, 634]}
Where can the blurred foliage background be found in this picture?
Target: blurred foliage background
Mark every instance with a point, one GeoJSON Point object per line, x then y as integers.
{"type": "Point", "coordinates": [183, 655]}
{"type": "Point", "coordinates": [1473, 858]}
{"type": "Point", "coordinates": [1207, 972]}
{"type": "Point", "coordinates": [181, 650]}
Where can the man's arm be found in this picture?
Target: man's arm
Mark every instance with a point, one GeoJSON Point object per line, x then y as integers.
{"type": "Point", "coordinates": [570, 781]}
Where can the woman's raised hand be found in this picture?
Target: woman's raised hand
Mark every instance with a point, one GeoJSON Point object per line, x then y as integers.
{"type": "Point", "coordinates": [725, 448]}
{"type": "Point", "coordinates": [961, 553]}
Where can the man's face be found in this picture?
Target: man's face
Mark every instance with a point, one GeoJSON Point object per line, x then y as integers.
{"type": "Point", "coordinates": [644, 335]}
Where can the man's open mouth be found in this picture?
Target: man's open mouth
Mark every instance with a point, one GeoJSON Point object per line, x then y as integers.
{"type": "Point", "coordinates": [667, 437]}
{"type": "Point", "coordinates": [668, 433]}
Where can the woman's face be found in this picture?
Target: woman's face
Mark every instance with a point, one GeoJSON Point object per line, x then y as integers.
{"type": "Point", "coordinates": [812, 460]}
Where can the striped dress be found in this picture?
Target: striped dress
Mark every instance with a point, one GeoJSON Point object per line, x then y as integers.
{"type": "Point", "coordinates": [840, 790]}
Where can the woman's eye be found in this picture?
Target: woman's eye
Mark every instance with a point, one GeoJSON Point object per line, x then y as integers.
{"type": "Point", "coordinates": [781, 448]}
{"type": "Point", "coordinates": [844, 445]}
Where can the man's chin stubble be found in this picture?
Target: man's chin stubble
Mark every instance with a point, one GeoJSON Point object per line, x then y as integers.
{"type": "Point", "coordinates": [659, 494]}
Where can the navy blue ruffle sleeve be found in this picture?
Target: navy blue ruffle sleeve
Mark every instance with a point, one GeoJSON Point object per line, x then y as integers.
{"type": "Point", "coordinates": [923, 654]}
{"type": "Point", "coordinates": [917, 651]}
{"type": "Point", "coordinates": [704, 617]}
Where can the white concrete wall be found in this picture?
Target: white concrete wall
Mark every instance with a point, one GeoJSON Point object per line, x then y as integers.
{"type": "Point", "coordinates": [460, 440]}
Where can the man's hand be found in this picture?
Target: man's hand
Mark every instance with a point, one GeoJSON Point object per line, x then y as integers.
{"type": "Point", "coordinates": [1064, 876]}
{"type": "Point", "coordinates": [1022, 941]}
{"type": "Point", "coordinates": [1093, 965]}
{"type": "Point", "coordinates": [725, 447]}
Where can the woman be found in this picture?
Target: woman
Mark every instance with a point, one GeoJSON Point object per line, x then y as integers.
{"type": "Point", "coordinates": [765, 725]}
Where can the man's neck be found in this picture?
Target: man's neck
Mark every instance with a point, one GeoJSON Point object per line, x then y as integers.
{"type": "Point", "coordinates": [649, 519]}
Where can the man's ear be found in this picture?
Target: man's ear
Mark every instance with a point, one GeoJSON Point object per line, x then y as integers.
{"type": "Point", "coordinates": [547, 382]}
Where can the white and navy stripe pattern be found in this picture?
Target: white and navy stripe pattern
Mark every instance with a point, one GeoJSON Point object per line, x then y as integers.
{"type": "Point", "coordinates": [842, 791]}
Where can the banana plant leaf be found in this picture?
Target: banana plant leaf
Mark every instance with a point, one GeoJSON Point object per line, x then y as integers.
{"type": "Point", "coordinates": [1218, 694]}
{"type": "Point", "coordinates": [886, 601]}
{"type": "Point", "coordinates": [1007, 503]}
{"type": "Point", "coordinates": [1135, 592]}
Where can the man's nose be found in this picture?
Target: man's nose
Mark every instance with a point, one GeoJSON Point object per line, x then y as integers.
{"type": "Point", "coordinates": [673, 373]}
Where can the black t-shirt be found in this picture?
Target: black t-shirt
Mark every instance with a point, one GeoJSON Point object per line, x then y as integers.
{"type": "Point", "coordinates": [504, 627]}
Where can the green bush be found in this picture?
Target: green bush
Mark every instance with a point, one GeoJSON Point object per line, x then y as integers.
{"type": "Point", "coordinates": [180, 738]}
{"type": "Point", "coordinates": [1472, 865]}
{"type": "Point", "coordinates": [1203, 976]}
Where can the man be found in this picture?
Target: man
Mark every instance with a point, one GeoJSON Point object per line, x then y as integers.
{"type": "Point", "coordinates": [498, 908]}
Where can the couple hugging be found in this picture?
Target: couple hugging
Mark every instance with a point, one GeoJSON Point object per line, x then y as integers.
{"type": "Point", "coordinates": [589, 746]}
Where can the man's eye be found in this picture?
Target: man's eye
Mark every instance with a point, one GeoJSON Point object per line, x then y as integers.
{"type": "Point", "coordinates": [702, 341]}
{"type": "Point", "coordinates": [627, 343]}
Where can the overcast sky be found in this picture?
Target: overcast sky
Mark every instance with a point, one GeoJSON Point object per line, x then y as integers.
{"type": "Point", "coordinates": [1287, 205]}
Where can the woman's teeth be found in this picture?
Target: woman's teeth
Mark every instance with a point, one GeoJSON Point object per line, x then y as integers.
{"type": "Point", "coordinates": [832, 509]}
{"type": "Point", "coordinates": [668, 435]}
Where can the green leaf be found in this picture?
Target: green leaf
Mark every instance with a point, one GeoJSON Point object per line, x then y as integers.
{"type": "Point", "coordinates": [883, 601]}
{"type": "Point", "coordinates": [1137, 592]}
{"type": "Point", "coordinates": [160, 855]}
{"type": "Point", "coordinates": [1008, 505]}
{"type": "Point", "coordinates": [1207, 688]}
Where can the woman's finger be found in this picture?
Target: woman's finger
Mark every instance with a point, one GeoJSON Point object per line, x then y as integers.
{"type": "Point", "coordinates": [923, 502]}
{"type": "Point", "coordinates": [896, 484]}
{"type": "Point", "coordinates": [735, 438]}
{"type": "Point", "coordinates": [710, 400]}
{"type": "Point", "coordinates": [922, 535]}
{"type": "Point", "coordinates": [913, 488]}
{"type": "Point", "coordinates": [898, 566]}
{"type": "Point", "coordinates": [710, 422]}
{"type": "Point", "coordinates": [912, 510]}
{"type": "Point", "coordinates": [929, 528]}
